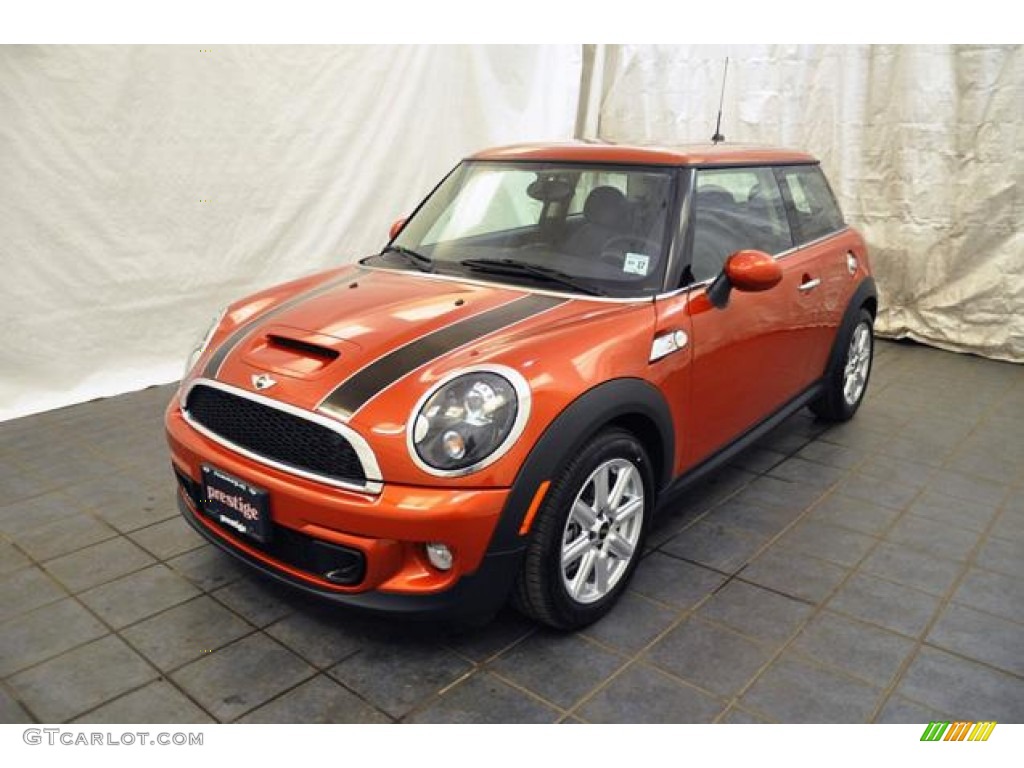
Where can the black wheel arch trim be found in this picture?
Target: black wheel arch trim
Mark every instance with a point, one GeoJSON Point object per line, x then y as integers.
{"type": "Point", "coordinates": [865, 291]}
{"type": "Point", "coordinates": [611, 401]}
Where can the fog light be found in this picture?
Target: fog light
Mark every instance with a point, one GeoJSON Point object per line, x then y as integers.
{"type": "Point", "coordinates": [440, 556]}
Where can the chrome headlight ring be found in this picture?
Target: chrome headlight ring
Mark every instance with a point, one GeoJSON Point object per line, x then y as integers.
{"type": "Point", "coordinates": [494, 408]}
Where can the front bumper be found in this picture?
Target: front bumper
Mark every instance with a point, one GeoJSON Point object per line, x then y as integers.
{"type": "Point", "coordinates": [382, 534]}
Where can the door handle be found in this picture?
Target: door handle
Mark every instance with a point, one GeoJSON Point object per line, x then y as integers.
{"type": "Point", "coordinates": [810, 285]}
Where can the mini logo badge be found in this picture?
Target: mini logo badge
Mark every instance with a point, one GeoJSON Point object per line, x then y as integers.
{"type": "Point", "coordinates": [263, 381]}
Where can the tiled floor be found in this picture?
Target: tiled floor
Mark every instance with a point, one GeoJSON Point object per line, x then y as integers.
{"type": "Point", "coordinates": [868, 572]}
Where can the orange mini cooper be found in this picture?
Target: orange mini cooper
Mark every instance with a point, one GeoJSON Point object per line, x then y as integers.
{"type": "Point", "coordinates": [491, 406]}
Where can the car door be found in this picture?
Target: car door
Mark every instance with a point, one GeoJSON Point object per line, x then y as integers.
{"type": "Point", "coordinates": [748, 356]}
{"type": "Point", "coordinates": [822, 249]}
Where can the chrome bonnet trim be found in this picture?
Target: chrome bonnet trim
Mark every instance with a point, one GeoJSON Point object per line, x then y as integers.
{"type": "Point", "coordinates": [374, 482]}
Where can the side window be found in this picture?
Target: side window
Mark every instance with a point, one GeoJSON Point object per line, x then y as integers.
{"type": "Point", "coordinates": [815, 211]}
{"type": "Point", "coordinates": [735, 209]}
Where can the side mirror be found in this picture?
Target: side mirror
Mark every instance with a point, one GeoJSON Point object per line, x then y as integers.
{"type": "Point", "coordinates": [750, 271]}
{"type": "Point", "coordinates": [396, 228]}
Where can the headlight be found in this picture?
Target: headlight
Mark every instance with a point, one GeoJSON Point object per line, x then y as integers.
{"type": "Point", "coordinates": [469, 420]}
{"type": "Point", "coordinates": [203, 342]}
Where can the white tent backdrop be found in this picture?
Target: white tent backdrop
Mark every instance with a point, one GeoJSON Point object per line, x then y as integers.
{"type": "Point", "coordinates": [924, 146]}
{"type": "Point", "coordinates": [143, 187]}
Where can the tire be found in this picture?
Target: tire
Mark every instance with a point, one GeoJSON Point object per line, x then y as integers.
{"type": "Point", "coordinates": [549, 587]}
{"type": "Point", "coordinates": [843, 396]}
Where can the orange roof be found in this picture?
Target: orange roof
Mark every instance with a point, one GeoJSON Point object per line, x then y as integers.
{"type": "Point", "coordinates": [688, 154]}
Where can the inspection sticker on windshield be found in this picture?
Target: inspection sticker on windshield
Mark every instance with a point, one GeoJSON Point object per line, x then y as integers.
{"type": "Point", "coordinates": [636, 263]}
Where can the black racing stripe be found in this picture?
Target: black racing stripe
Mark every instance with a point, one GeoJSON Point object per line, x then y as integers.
{"type": "Point", "coordinates": [355, 391]}
{"type": "Point", "coordinates": [213, 365]}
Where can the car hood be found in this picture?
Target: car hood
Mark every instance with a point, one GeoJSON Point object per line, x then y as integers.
{"type": "Point", "coordinates": [334, 343]}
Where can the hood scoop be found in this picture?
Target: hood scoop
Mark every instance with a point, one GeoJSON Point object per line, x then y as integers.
{"type": "Point", "coordinates": [302, 347]}
{"type": "Point", "coordinates": [295, 352]}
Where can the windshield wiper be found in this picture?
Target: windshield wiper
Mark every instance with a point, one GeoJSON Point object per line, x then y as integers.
{"type": "Point", "coordinates": [418, 260]}
{"type": "Point", "coordinates": [510, 267]}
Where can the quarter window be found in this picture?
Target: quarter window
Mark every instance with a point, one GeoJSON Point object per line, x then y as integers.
{"type": "Point", "coordinates": [815, 212]}
{"type": "Point", "coordinates": [736, 209]}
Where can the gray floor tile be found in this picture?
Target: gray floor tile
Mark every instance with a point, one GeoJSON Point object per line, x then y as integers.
{"type": "Point", "coordinates": [897, 470]}
{"type": "Point", "coordinates": [739, 716]}
{"type": "Point", "coordinates": [757, 459]}
{"type": "Point", "coordinates": [972, 515]}
{"type": "Point", "coordinates": [158, 702]}
{"type": "Point", "coordinates": [715, 659]}
{"type": "Point", "coordinates": [792, 690]}
{"type": "Point", "coordinates": [257, 600]}
{"type": "Point", "coordinates": [230, 682]}
{"type": "Point", "coordinates": [64, 687]}
{"type": "Point", "coordinates": [980, 636]}
{"type": "Point", "coordinates": [828, 542]}
{"type": "Point", "coordinates": [98, 564]}
{"type": "Point", "coordinates": [11, 559]}
{"type": "Point", "coordinates": [952, 685]}
{"type": "Point", "coordinates": [642, 694]}
{"type": "Point", "coordinates": [45, 633]}
{"type": "Point", "coordinates": [1009, 526]}
{"type": "Point", "coordinates": [832, 455]}
{"type": "Point", "coordinates": [800, 576]}
{"type": "Point", "coordinates": [912, 567]}
{"type": "Point", "coordinates": [320, 700]}
{"type": "Point", "coordinates": [207, 567]}
{"type": "Point", "coordinates": [855, 514]}
{"type": "Point", "coordinates": [1001, 555]}
{"type": "Point", "coordinates": [862, 650]}
{"type": "Point", "coordinates": [714, 545]}
{"type": "Point", "coordinates": [138, 595]}
{"type": "Point", "coordinates": [558, 667]}
{"type": "Point", "coordinates": [11, 712]}
{"type": "Point", "coordinates": [775, 492]}
{"type": "Point", "coordinates": [674, 581]}
{"type": "Point", "coordinates": [970, 489]}
{"type": "Point", "coordinates": [886, 604]}
{"type": "Point", "coordinates": [758, 520]}
{"type": "Point", "coordinates": [993, 593]}
{"type": "Point", "coordinates": [883, 493]}
{"type": "Point", "coordinates": [34, 512]}
{"type": "Point", "coordinates": [26, 590]}
{"type": "Point", "coordinates": [484, 698]}
{"type": "Point", "coordinates": [812, 473]}
{"type": "Point", "coordinates": [634, 623]}
{"type": "Point", "coordinates": [934, 537]}
{"type": "Point", "coordinates": [319, 637]}
{"type": "Point", "coordinates": [758, 613]}
{"type": "Point", "coordinates": [185, 633]}
{"type": "Point", "coordinates": [901, 710]}
{"type": "Point", "coordinates": [481, 643]}
{"type": "Point", "coordinates": [397, 677]}
{"type": "Point", "coordinates": [58, 538]}
{"type": "Point", "coordinates": [167, 539]}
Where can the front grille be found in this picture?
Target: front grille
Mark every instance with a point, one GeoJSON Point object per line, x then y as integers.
{"type": "Point", "coordinates": [340, 565]}
{"type": "Point", "coordinates": [276, 435]}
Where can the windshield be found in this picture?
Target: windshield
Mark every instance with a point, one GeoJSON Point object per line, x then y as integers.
{"type": "Point", "coordinates": [567, 227]}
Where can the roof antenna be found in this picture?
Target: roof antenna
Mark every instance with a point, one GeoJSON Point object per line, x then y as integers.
{"type": "Point", "coordinates": [718, 137]}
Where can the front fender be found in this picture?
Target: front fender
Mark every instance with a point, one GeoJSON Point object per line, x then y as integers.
{"type": "Point", "coordinates": [631, 399]}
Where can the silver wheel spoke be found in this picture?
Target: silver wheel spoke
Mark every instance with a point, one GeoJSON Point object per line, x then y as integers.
{"type": "Point", "coordinates": [584, 514]}
{"type": "Point", "coordinates": [601, 489]}
{"type": "Point", "coordinates": [619, 546]}
{"type": "Point", "coordinates": [624, 477]}
{"type": "Point", "coordinates": [583, 574]}
{"type": "Point", "coordinates": [602, 566]}
{"type": "Point", "coordinates": [576, 550]}
{"type": "Point", "coordinates": [627, 510]}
